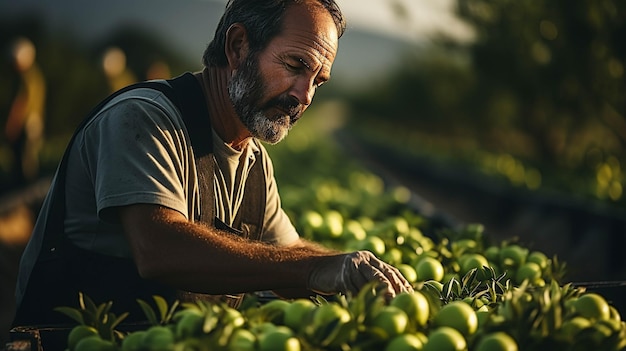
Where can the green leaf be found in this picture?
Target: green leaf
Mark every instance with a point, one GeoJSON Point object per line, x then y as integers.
{"type": "Point", "coordinates": [171, 312]}
{"type": "Point", "coordinates": [148, 312]}
{"type": "Point", "coordinates": [72, 313]}
{"type": "Point", "coordinates": [161, 304]}
{"type": "Point", "coordinates": [87, 304]}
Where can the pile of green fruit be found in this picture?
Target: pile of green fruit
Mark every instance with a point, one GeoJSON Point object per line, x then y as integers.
{"type": "Point", "coordinates": [467, 296]}
{"type": "Point", "coordinates": [470, 293]}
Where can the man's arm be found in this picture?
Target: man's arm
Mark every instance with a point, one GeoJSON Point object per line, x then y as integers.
{"type": "Point", "coordinates": [170, 249]}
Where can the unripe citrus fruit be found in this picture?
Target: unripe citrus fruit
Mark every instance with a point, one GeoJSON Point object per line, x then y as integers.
{"type": "Point", "coordinates": [333, 224]}
{"type": "Point", "coordinates": [279, 339]}
{"type": "Point", "coordinates": [592, 306]}
{"type": "Point", "coordinates": [571, 327]}
{"type": "Point", "coordinates": [408, 272]}
{"type": "Point", "coordinates": [330, 313]}
{"type": "Point", "coordinates": [492, 253]}
{"type": "Point", "coordinates": [429, 268]}
{"type": "Point", "coordinates": [373, 244]}
{"type": "Point", "coordinates": [539, 258]}
{"type": "Point", "coordinates": [405, 342]}
{"type": "Point", "coordinates": [132, 341]}
{"type": "Point", "coordinates": [445, 339]}
{"type": "Point", "coordinates": [458, 315]}
{"type": "Point", "coordinates": [392, 320]}
{"type": "Point", "coordinates": [158, 338]}
{"type": "Point", "coordinates": [513, 256]}
{"type": "Point", "coordinates": [242, 340]}
{"type": "Point", "coordinates": [473, 260]}
{"type": "Point", "coordinates": [497, 341]}
{"type": "Point", "coordinates": [528, 271]}
{"type": "Point", "coordinates": [189, 323]}
{"type": "Point", "coordinates": [78, 333]}
{"type": "Point", "coordinates": [95, 343]}
{"type": "Point", "coordinates": [415, 305]}
{"type": "Point", "coordinates": [353, 230]}
{"type": "Point", "coordinates": [297, 312]}
{"type": "Point", "coordinates": [274, 310]}
{"type": "Point", "coordinates": [232, 317]}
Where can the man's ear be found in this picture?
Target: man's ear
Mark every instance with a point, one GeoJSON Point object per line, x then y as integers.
{"type": "Point", "coordinates": [236, 45]}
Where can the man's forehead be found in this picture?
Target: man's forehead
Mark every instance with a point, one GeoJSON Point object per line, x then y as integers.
{"type": "Point", "coordinates": [311, 27]}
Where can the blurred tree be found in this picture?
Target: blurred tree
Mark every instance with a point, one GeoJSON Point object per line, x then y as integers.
{"type": "Point", "coordinates": [542, 83]}
{"type": "Point", "coordinates": [553, 70]}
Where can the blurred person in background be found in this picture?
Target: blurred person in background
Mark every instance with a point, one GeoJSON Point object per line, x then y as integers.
{"type": "Point", "coordinates": [158, 69]}
{"type": "Point", "coordinates": [24, 129]}
{"type": "Point", "coordinates": [148, 210]}
{"type": "Point", "coordinates": [116, 71]}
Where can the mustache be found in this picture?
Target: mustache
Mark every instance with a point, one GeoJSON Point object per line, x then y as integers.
{"type": "Point", "coordinates": [289, 104]}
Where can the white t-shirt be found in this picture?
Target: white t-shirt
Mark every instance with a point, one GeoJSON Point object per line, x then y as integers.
{"type": "Point", "coordinates": [137, 150]}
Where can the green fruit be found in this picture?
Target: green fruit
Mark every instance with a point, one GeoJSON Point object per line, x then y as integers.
{"type": "Point", "coordinates": [158, 338]}
{"type": "Point", "coordinates": [274, 310]}
{"type": "Point", "coordinates": [373, 244]}
{"type": "Point", "coordinates": [279, 339]}
{"type": "Point", "coordinates": [539, 258]}
{"type": "Point", "coordinates": [78, 333]}
{"type": "Point", "coordinates": [333, 224]}
{"type": "Point", "coordinates": [415, 305]}
{"type": "Point", "coordinates": [615, 315]}
{"type": "Point", "coordinates": [189, 324]}
{"type": "Point", "coordinates": [297, 313]}
{"type": "Point", "coordinates": [592, 306]}
{"type": "Point", "coordinates": [528, 271]}
{"type": "Point", "coordinates": [242, 340]}
{"type": "Point", "coordinates": [571, 327]}
{"type": "Point", "coordinates": [312, 219]}
{"type": "Point", "coordinates": [445, 339]}
{"type": "Point", "coordinates": [353, 230]}
{"type": "Point", "coordinates": [429, 268]}
{"type": "Point", "coordinates": [464, 246]}
{"type": "Point", "coordinates": [474, 260]}
{"type": "Point", "coordinates": [408, 272]}
{"type": "Point", "coordinates": [392, 320]}
{"type": "Point", "coordinates": [393, 256]}
{"type": "Point", "coordinates": [458, 315]}
{"type": "Point", "coordinates": [405, 342]}
{"type": "Point", "coordinates": [95, 343]}
{"type": "Point", "coordinates": [330, 313]}
{"type": "Point", "coordinates": [133, 341]}
{"type": "Point", "coordinates": [492, 253]}
{"type": "Point", "coordinates": [434, 284]}
{"type": "Point", "coordinates": [232, 317]}
{"type": "Point", "coordinates": [513, 256]}
{"type": "Point", "coordinates": [497, 341]}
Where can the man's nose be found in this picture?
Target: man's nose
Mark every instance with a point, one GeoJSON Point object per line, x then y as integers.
{"type": "Point", "coordinates": [303, 91]}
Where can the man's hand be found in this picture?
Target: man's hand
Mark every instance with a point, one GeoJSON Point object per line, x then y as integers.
{"type": "Point", "coordinates": [350, 272]}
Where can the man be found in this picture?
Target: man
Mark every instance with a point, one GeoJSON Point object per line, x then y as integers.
{"type": "Point", "coordinates": [134, 182]}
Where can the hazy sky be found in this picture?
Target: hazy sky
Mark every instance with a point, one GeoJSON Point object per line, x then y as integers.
{"type": "Point", "coordinates": [188, 24]}
{"type": "Point", "coordinates": [422, 17]}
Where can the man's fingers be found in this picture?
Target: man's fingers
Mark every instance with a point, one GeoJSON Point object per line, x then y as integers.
{"type": "Point", "coordinates": [392, 274]}
{"type": "Point", "coordinates": [396, 278]}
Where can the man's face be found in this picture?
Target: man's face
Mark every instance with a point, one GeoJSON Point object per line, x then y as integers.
{"type": "Point", "coordinates": [272, 88]}
{"type": "Point", "coordinates": [262, 119]}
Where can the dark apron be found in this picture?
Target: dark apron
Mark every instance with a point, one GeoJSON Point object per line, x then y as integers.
{"type": "Point", "coordinates": [63, 270]}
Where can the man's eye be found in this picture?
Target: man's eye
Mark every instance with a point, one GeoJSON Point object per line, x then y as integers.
{"type": "Point", "coordinates": [295, 68]}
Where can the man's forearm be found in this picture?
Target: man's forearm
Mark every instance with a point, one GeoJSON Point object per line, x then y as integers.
{"type": "Point", "coordinates": [194, 257]}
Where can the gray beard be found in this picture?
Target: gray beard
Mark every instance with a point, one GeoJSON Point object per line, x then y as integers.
{"type": "Point", "coordinates": [244, 90]}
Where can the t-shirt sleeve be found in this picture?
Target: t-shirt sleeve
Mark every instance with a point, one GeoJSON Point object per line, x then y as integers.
{"type": "Point", "coordinates": [133, 153]}
{"type": "Point", "coordinates": [279, 229]}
